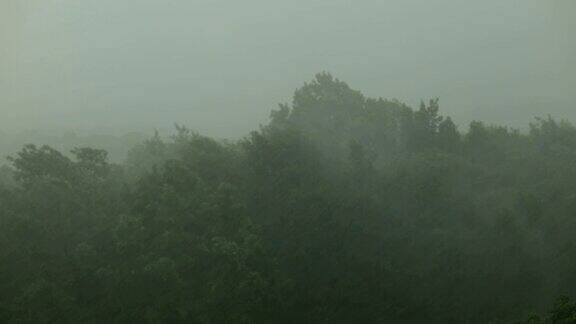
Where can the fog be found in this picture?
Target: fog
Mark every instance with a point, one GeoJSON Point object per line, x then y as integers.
{"type": "Point", "coordinates": [220, 66]}
{"type": "Point", "coordinates": [304, 161]}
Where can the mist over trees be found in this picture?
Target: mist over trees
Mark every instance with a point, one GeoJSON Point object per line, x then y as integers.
{"type": "Point", "coordinates": [94, 64]}
{"type": "Point", "coordinates": [342, 209]}
{"type": "Point", "coordinates": [116, 145]}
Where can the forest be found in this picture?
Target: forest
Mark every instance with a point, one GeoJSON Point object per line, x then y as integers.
{"type": "Point", "coordinates": [341, 209]}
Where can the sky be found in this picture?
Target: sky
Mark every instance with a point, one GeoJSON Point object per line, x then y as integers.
{"type": "Point", "coordinates": [219, 67]}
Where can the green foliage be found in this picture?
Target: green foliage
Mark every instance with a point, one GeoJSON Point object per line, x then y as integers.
{"type": "Point", "coordinates": [563, 312]}
{"type": "Point", "coordinates": [343, 209]}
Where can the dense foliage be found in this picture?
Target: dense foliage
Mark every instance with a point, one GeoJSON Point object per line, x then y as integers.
{"type": "Point", "coordinates": [343, 209]}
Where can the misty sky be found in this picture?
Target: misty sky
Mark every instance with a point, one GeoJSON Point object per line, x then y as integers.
{"type": "Point", "coordinates": [220, 66]}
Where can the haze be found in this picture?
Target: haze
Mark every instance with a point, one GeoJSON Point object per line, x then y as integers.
{"type": "Point", "coordinates": [303, 161]}
{"type": "Point", "coordinates": [220, 66]}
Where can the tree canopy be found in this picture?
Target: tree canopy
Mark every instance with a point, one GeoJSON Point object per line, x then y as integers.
{"type": "Point", "coordinates": [343, 209]}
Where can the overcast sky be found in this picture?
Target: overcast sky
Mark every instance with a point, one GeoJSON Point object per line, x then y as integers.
{"type": "Point", "coordinates": [220, 66]}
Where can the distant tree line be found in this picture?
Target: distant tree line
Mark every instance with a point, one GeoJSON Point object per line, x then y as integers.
{"type": "Point", "coordinates": [343, 209]}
